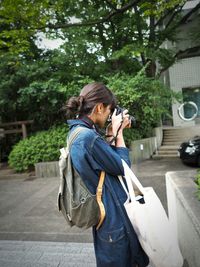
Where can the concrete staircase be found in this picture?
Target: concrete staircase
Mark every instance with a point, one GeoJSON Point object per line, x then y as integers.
{"type": "Point", "coordinates": [168, 151]}
{"type": "Point", "coordinates": [173, 137]}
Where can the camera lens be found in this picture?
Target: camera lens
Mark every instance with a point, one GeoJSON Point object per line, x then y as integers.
{"type": "Point", "coordinates": [133, 121]}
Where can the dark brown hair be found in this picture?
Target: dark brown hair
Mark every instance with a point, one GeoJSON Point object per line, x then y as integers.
{"type": "Point", "coordinates": [90, 95]}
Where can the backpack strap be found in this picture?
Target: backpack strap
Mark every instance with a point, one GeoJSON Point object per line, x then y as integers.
{"type": "Point", "coordinates": [64, 152]}
{"type": "Point", "coordinates": [74, 135]}
{"type": "Point", "coordinates": [99, 199]}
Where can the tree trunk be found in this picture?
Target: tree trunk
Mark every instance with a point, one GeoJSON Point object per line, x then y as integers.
{"type": "Point", "coordinates": [151, 68]}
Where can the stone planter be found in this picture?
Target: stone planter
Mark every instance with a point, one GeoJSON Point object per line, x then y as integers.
{"type": "Point", "coordinates": [184, 213]}
{"type": "Point", "coordinates": [47, 169]}
{"type": "Point", "coordinates": [143, 149]}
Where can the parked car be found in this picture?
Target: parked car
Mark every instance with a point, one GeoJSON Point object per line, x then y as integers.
{"type": "Point", "coordinates": [189, 152]}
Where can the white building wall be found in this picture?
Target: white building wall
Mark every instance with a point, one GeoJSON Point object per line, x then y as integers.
{"type": "Point", "coordinates": [183, 74]}
{"type": "Point", "coordinates": [190, 4]}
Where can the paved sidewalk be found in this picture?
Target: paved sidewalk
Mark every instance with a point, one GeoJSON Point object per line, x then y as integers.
{"type": "Point", "coordinates": [28, 211]}
{"type": "Point", "coordinates": [46, 254]}
{"type": "Point", "coordinates": [32, 231]}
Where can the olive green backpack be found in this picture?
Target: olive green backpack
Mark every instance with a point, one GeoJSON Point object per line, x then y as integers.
{"type": "Point", "coordinates": [75, 201]}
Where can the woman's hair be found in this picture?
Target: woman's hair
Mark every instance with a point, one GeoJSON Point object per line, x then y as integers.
{"type": "Point", "coordinates": [90, 95]}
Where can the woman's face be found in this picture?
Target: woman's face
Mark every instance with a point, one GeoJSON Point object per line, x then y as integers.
{"type": "Point", "coordinates": [103, 116]}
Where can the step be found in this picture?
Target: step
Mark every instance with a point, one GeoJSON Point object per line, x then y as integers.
{"type": "Point", "coordinates": [165, 156]}
{"type": "Point", "coordinates": [167, 152]}
{"type": "Point", "coordinates": [183, 134]}
{"type": "Point", "coordinates": [173, 139]}
{"type": "Point", "coordinates": [176, 129]}
{"type": "Point", "coordinates": [180, 137]}
{"type": "Point", "coordinates": [163, 149]}
{"type": "Point", "coordinates": [171, 144]}
{"type": "Point", "coordinates": [169, 147]}
{"type": "Point", "coordinates": [175, 133]}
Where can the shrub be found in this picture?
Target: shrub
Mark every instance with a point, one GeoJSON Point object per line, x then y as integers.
{"type": "Point", "coordinates": [43, 146]}
{"type": "Point", "coordinates": [197, 180]}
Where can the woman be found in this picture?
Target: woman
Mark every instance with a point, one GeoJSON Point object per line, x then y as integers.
{"type": "Point", "coordinates": [115, 242]}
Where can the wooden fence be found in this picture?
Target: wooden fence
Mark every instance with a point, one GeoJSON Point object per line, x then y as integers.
{"type": "Point", "coordinates": [15, 127]}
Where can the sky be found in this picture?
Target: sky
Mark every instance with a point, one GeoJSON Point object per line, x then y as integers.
{"type": "Point", "coordinates": [46, 43]}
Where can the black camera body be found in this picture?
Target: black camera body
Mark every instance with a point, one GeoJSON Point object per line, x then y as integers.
{"type": "Point", "coordinates": [132, 119]}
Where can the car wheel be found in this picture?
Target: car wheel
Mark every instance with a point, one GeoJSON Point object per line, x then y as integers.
{"type": "Point", "coordinates": [198, 161]}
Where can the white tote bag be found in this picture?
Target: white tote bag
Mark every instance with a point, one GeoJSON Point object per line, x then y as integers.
{"type": "Point", "coordinates": [151, 223]}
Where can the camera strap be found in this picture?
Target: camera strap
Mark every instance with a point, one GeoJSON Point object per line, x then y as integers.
{"type": "Point", "coordinates": [115, 137]}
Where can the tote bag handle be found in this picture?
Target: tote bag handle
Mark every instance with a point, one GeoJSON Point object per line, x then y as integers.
{"type": "Point", "coordinates": [130, 178]}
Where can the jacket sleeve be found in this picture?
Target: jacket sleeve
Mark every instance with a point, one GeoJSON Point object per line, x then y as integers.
{"type": "Point", "coordinates": [108, 159]}
{"type": "Point", "coordinates": [123, 152]}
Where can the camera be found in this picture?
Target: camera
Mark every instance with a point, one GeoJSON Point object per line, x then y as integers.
{"type": "Point", "coordinates": [119, 110]}
{"type": "Point", "coordinates": [131, 118]}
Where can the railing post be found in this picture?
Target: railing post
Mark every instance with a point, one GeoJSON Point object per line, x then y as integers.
{"type": "Point", "coordinates": [24, 131]}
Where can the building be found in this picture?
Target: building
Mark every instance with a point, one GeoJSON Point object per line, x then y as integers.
{"type": "Point", "coordinates": [184, 75]}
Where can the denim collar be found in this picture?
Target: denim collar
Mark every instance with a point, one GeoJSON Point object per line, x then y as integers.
{"type": "Point", "coordinates": [86, 122]}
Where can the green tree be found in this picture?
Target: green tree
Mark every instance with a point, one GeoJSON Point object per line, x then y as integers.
{"type": "Point", "coordinates": [101, 39]}
{"type": "Point", "coordinates": [146, 99]}
{"type": "Point", "coordinates": [119, 32]}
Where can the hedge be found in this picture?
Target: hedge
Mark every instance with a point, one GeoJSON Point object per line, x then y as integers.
{"type": "Point", "coordinates": [43, 146]}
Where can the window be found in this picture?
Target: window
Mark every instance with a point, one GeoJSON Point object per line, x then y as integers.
{"type": "Point", "coordinates": [191, 94]}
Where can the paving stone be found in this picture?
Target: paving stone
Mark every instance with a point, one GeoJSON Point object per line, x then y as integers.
{"type": "Point", "coordinates": [42, 254]}
{"type": "Point", "coordinates": [11, 255]}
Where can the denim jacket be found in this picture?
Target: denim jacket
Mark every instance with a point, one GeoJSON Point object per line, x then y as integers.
{"type": "Point", "coordinates": [116, 244]}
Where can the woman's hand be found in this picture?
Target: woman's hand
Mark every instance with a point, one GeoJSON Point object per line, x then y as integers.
{"type": "Point", "coordinates": [119, 122]}
{"type": "Point", "coordinates": [114, 130]}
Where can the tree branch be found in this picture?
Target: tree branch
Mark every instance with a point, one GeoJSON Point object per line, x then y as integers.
{"type": "Point", "coordinates": [140, 36]}
{"type": "Point", "coordinates": [111, 5]}
{"type": "Point", "coordinates": [184, 18]}
{"type": "Point", "coordinates": [173, 16]}
{"type": "Point", "coordinates": [103, 41]}
{"type": "Point", "coordinates": [169, 29]}
{"type": "Point", "coordinates": [167, 14]}
{"type": "Point", "coordinates": [92, 22]}
{"type": "Point", "coordinates": [152, 29]}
